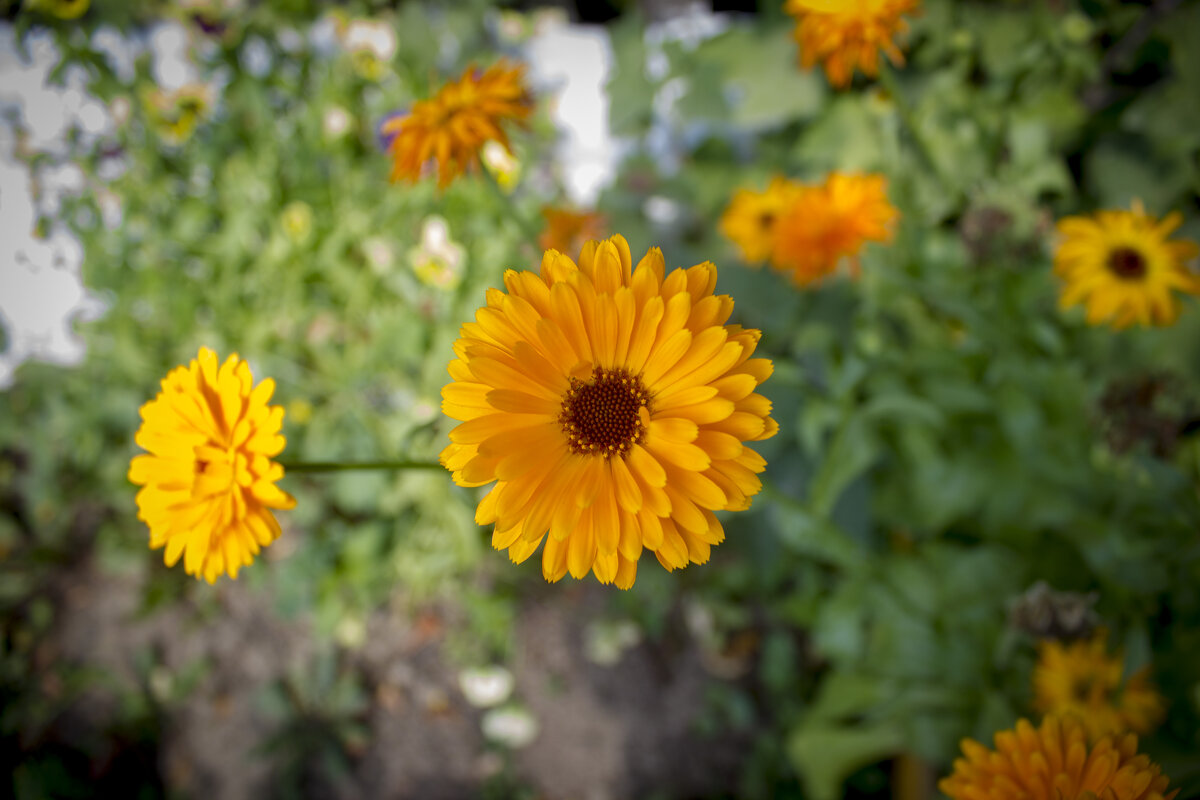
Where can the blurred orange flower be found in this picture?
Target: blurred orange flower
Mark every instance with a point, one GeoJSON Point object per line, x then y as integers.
{"type": "Point", "coordinates": [848, 34]}
{"type": "Point", "coordinates": [567, 230]}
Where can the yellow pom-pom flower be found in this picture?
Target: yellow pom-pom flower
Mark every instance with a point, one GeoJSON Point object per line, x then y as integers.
{"type": "Point", "coordinates": [1055, 762]}
{"type": "Point", "coordinates": [845, 35]}
{"type": "Point", "coordinates": [752, 218]}
{"type": "Point", "coordinates": [208, 481]}
{"type": "Point", "coordinates": [829, 224]}
{"type": "Point", "coordinates": [450, 128]}
{"type": "Point", "coordinates": [611, 407]}
{"type": "Point", "coordinates": [1082, 680]}
{"type": "Point", "coordinates": [1124, 268]}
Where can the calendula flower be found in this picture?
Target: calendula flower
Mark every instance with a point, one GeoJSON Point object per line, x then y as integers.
{"type": "Point", "coordinates": [174, 115]}
{"type": "Point", "coordinates": [296, 220]}
{"type": "Point", "coordinates": [828, 225]}
{"type": "Point", "coordinates": [1055, 762]}
{"type": "Point", "coordinates": [449, 129]}
{"type": "Point", "coordinates": [1123, 267]}
{"type": "Point", "coordinates": [566, 230]}
{"type": "Point", "coordinates": [62, 9]}
{"type": "Point", "coordinates": [208, 480]}
{"type": "Point", "coordinates": [1082, 680]}
{"type": "Point", "coordinates": [611, 407]}
{"type": "Point", "coordinates": [752, 218]}
{"type": "Point", "coordinates": [848, 34]}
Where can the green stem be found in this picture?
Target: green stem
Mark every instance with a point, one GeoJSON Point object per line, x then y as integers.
{"type": "Point", "coordinates": [887, 79]}
{"type": "Point", "coordinates": [346, 466]}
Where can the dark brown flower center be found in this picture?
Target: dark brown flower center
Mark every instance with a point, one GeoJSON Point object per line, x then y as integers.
{"type": "Point", "coordinates": [1127, 264]}
{"type": "Point", "coordinates": [601, 415]}
{"type": "Point", "coordinates": [766, 219]}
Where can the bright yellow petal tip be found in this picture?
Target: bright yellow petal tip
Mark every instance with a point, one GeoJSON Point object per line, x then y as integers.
{"type": "Point", "coordinates": [208, 481]}
{"type": "Point", "coordinates": [450, 129]}
{"type": "Point", "coordinates": [1055, 762]}
{"type": "Point", "coordinates": [1124, 268]}
{"type": "Point", "coordinates": [610, 405]}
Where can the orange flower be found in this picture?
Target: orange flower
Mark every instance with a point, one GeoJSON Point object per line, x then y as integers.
{"type": "Point", "coordinates": [829, 223]}
{"type": "Point", "coordinates": [566, 230]}
{"type": "Point", "coordinates": [751, 220]}
{"type": "Point", "coordinates": [1054, 762]}
{"type": "Point", "coordinates": [845, 34]}
{"type": "Point", "coordinates": [452, 127]}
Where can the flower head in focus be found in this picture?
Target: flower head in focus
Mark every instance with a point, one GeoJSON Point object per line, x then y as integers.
{"type": "Point", "coordinates": [845, 35]}
{"type": "Point", "coordinates": [1055, 762]}
{"type": "Point", "coordinates": [1123, 267]}
{"type": "Point", "coordinates": [175, 114]}
{"type": "Point", "coordinates": [449, 129]}
{"type": "Point", "coordinates": [1082, 680]}
{"type": "Point", "coordinates": [752, 218]}
{"type": "Point", "coordinates": [566, 231]}
{"type": "Point", "coordinates": [208, 481]}
{"type": "Point", "coordinates": [611, 407]}
{"type": "Point", "coordinates": [828, 224]}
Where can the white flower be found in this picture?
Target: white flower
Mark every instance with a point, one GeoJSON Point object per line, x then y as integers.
{"type": "Point", "coordinates": [437, 260]}
{"type": "Point", "coordinates": [485, 687]}
{"type": "Point", "coordinates": [336, 122]}
{"type": "Point", "coordinates": [502, 164]}
{"type": "Point", "coordinates": [378, 38]}
{"type": "Point", "coordinates": [511, 726]}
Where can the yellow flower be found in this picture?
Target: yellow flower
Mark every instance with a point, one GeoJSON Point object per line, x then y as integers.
{"type": "Point", "coordinates": [450, 128]}
{"type": "Point", "coordinates": [845, 34]}
{"type": "Point", "coordinates": [1081, 680]}
{"type": "Point", "coordinates": [1054, 762]}
{"type": "Point", "coordinates": [752, 218]}
{"type": "Point", "coordinates": [611, 406]}
{"type": "Point", "coordinates": [1121, 265]}
{"type": "Point", "coordinates": [63, 9]}
{"type": "Point", "coordinates": [296, 220]}
{"type": "Point", "coordinates": [208, 480]}
{"type": "Point", "coordinates": [830, 223]}
{"type": "Point", "coordinates": [174, 115]}
{"type": "Point", "coordinates": [501, 164]}
{"type": "Point", "coordinates": [566, 230]}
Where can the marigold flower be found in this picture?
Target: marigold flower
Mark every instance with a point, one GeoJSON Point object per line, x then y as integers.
{"type": "Point", "coordinates": [566, 230]}
{"type": "Point", "coordinates": [830, 223]}
{"type": "Point", "coordinates": [848, 34]}
{"type": "Point", "coordinates": [450, 128]}
{"type": "Point", "coordinates": [1122, 266]}
{"type": "Point", "coordinates": [611, 406]}
{"type": "Point", "coordinates": [1082, 680]}
{"type": "Point", "coordinates": [1054, 762]}
{"type": "Point", "coordinates": [752, 218]}
{"type": "Point", "coordinates": [208, 480]}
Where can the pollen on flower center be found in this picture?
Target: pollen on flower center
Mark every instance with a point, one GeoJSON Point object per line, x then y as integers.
{"type": "Point", "coordinates": [603, 415]}
{"type": "Point", "coordinates": [1127, 263]}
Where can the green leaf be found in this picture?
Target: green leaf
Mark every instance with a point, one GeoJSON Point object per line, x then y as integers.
{"type": "Point", "coordinates": [825, 755]}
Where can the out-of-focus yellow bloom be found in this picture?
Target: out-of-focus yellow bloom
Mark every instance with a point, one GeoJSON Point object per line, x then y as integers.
{"type": "Point", "coordinates": [1055, 762]}
{"type": "Point", "coordinates": [449, 129]}
{"type": "Point", "coordinates": [208, 481]}
{"type": "Point", "coordinates": [829, 224]}
{"type": "Point", "coordinates": [296, 220]}
{"type": "Point", "coordinates": [502, 165]}
{"type": "Point", "coordinates": [437, 260]}
{"type": "Point", "coordinates": [612, 407]}
{"type": "Point", "coordinates": [566, 230]}
{"type": "Point", "coordinates": [848, 34]}
{"type": "Point", "coordinates": [62, 9]}
{"type": "Point", "coordinates": [1080, 679]}
{"type": "Point", "coordinates": [1123, 266]}
{"type": "Point", "coordinates": [174, 115]}
{"type": "Point", "coordinates": [752, 218]}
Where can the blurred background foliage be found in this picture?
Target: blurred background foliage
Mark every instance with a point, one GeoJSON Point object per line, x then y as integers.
{"type": "Point", "coordinates": [948, 437]}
